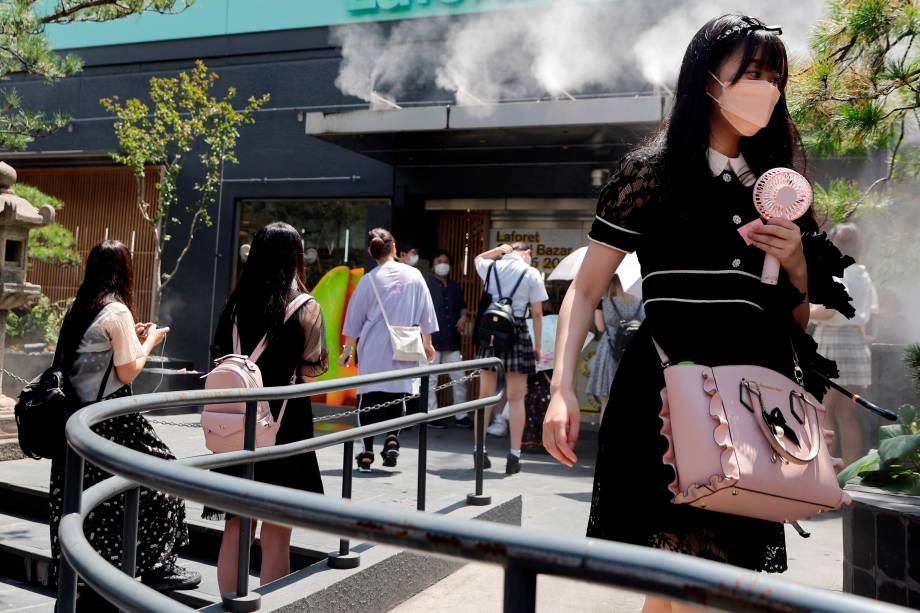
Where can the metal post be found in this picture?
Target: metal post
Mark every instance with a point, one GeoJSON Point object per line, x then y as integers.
{"type": "Point", "coordinates": [129, 532]}
{"type": "Point", "coordinates": [479, 499]}
{"type": "Point", "coordinates": [242, 601]}
{"type": "Point", "coordinates": [345, 558]}
{"type": "Point", "coordinates": [422, 444]}
{"type": "Point", "coordinates": [73, 493]}
{"type": "Point", "coordinates": [520, 589]}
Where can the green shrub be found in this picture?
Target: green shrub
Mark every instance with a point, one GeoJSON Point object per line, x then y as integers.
{"type": "Point", "coordinates": [39, 323]}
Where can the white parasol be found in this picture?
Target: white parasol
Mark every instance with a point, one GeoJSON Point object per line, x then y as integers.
{"type": "Point", "coordinates": [628, 271]}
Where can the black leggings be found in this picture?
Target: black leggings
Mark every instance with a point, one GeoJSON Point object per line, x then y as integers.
{"type": "Point", "coordinates": [392, 412]}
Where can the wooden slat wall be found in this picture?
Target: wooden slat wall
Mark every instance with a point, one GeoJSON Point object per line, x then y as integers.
{"type": "Point", "coordinates": [96, 199]}
{"type": "Point", "coordinates": [453, 229]}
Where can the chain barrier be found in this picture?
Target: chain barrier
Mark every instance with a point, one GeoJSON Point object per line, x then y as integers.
{"type": "Point", "coordinates": [343, 414]}
{"type": "Point", "coordinates": [15, 376]}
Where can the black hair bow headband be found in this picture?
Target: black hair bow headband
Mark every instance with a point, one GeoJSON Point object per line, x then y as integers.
{"type": "Point", "coordinates": [749, 25]}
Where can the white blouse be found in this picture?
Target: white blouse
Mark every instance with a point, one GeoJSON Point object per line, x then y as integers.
{"type": "Point", "coordinates": [110, 335]}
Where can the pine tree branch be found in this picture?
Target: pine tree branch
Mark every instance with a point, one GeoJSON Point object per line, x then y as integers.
{"type": "Point", "coordinates": [891, 166]}
{"type": "Point", "coordinates": [65, 13]}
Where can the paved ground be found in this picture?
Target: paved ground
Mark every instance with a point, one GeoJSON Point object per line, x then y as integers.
{"type": "Point", "coordinates": [555, 498]}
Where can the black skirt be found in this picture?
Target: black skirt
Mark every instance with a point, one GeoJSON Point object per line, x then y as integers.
{"type": "Point", "coordinates": [161, 523]}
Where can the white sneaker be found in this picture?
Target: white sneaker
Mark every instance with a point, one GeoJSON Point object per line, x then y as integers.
{"type": "Point", "coordinates": [499, 427]}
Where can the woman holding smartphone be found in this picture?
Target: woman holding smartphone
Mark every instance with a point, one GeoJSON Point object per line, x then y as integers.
{"type": "Point", "coordinates": [104, 351]}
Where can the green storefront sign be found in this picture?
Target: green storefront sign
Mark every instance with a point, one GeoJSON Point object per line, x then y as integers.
{"type": "Point", "coordinates": [231, 17]}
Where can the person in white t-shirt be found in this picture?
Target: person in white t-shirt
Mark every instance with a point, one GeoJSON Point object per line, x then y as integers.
{"type": "Point", "coordinates": [844, 341]}
{"type": "Point", "coordinates": [515, 279]}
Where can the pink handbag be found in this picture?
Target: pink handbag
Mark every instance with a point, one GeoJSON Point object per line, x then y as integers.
{"type": "Point", "coordinates": [224, 424]}
{"type": "Point", "coordinates": [746, 440]}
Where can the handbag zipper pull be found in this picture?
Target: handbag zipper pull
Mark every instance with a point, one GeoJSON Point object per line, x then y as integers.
{"type": "Point", "coordinates": [798, 528]}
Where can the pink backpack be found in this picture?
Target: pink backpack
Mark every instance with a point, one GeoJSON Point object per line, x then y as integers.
{"type": "Point", "coordinates": [225, 424]}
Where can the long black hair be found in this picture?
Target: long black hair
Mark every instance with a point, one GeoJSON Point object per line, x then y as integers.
{"type": "Point", "coordinates": [109, 277]}
{"type": "Point", "coordinates": [273, 270]}
{"type": "Point", "coordinates": [681, 143]}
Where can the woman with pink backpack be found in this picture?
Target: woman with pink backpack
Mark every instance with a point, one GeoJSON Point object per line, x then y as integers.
{"type": "Point", "coordinates": [295, 351]}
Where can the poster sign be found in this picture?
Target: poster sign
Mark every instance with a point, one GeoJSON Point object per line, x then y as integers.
{"type": "Point", "coordinates": [549, 246]}
{"type": "Point", "coordinates": [548, 341]}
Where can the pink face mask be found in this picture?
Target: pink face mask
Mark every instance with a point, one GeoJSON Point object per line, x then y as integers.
{"type": "Point", "coordinates": [748, 104]}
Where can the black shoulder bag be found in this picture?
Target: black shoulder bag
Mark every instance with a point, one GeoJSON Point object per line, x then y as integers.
{"type": "Point", "coordinates": [626, 330]}
{"type": "Point", "coordinates": [496, 324]}
{"type": "Point", "coordinates": [45, 404]}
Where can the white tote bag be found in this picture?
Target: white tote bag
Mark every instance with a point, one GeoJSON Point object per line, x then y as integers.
{"type": "Point", "coordinates": [405, 340]}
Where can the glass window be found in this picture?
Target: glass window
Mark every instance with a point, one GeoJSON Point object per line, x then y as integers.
{"type": "Point", "coordinates": [334, 231]}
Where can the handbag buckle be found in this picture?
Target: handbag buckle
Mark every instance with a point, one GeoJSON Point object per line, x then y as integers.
{"type": "Point", "coordinates": [753, 389]}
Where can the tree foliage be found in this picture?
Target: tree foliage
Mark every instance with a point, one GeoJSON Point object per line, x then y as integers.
{"type": "Point", "coordinates": [185, 119]}
{"type": "Point", "coordinates": [38, 323]}
{"type": "Point", "coordinates": [24, 48]}
{"type": "Point", "coordinates": [860, 90]}
{"type": "Point", "coordinates": [51, 244]}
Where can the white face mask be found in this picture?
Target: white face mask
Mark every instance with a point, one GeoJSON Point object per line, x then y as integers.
{"type": "Point", "coordinates": [413, 259]}
{"type": "Point", "coordinates": [442, 269]}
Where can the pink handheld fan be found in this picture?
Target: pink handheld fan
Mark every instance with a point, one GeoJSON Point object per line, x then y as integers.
{"type": "Point", "coordinates": [780, 193]}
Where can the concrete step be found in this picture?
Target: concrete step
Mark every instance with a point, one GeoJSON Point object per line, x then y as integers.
{"type": "Point", "coordinates": [23, 598]}
{"type": "Point", "coordinates": [25, 557]}
{"type": "Point", "coordinates": [204, 536]}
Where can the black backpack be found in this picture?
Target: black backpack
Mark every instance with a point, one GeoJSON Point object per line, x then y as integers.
{"type": "Point", "coordinates": [496, 324]}
{"type": "Point", "coordinates": [626, 330]}
{"type": "Point", "coordinates": [45, 404]}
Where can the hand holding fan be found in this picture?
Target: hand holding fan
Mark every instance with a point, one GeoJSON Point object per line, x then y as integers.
{"type": "Point", "coordinates": [780, 193]}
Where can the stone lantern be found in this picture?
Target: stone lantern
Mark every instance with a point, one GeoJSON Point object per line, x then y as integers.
{"type": "Point", "coordinates": [17, 217]}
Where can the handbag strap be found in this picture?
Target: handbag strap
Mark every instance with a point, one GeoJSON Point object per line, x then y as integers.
{"type": "Point", "coordinates": [383, 311]}
{"type": "Point", "coordinates": [665, 361]}
{"type": "Point", "coordinates": [105, 378]}
{"type": "Point", "coordinates": [493, 272]}
{"type": "Point", "coordinates": [292, 307]}
{"type": "Point", "coordinates": [57, 361]}
{"type": "Point", "coordinates": [289, 311]}
{"type": "Point", "coordinates": [516, 285]}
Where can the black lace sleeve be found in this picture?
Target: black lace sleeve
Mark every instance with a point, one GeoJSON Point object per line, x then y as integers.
{"type": "Point", "coordinates": [825, 262]}
{"type": "Point", "coordinates": [619, 220]}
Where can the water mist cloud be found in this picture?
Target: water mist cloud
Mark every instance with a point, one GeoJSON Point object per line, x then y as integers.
{"type": "Point", "coordinates": [568, 47]}
{"type": "Point", "coordinates": [660, 48]}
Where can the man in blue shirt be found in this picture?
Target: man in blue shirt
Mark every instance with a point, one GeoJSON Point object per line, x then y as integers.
{"type": "Point", "coordinates": [450, 308]}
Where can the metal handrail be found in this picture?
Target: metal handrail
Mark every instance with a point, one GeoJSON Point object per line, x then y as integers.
{"type": "Point", "coordinates": [524, 553]}
{"type": "Point", "coordinates": [108, 409]}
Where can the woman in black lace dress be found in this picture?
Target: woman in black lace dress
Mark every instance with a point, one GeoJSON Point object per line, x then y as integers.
{"type": "Point", "coordinates": [679, 202]}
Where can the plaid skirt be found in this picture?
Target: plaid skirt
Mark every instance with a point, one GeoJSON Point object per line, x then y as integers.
{"type": "Point", "coordinates": [520, 358]}
{"type": "Point", "coordinates": [847, 346]}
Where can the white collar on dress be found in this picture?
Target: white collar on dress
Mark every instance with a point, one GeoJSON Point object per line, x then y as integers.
{"type": "Point", "coordinates": [719, 162]}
